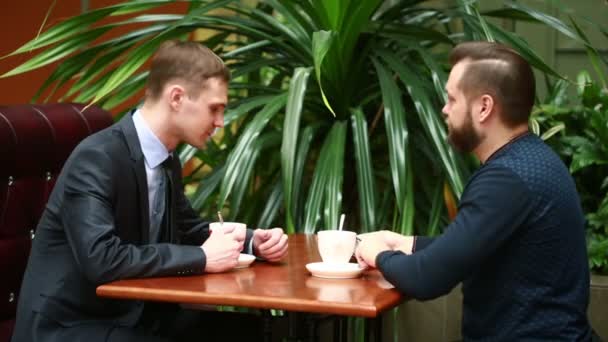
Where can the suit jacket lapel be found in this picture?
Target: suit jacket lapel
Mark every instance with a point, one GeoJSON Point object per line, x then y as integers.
{"type": "Point", "coordinates": [134, 146]}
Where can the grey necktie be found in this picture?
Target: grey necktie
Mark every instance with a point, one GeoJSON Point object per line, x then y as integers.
{"type": "Point", "coordinates": [161, 209]}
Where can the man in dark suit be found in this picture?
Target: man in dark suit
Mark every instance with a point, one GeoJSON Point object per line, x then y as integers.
{"type": "Point", "coordinates": [118, 211]}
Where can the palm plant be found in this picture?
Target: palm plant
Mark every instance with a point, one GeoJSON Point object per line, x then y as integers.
{"type": "Point", "coordinates": [335, 105]}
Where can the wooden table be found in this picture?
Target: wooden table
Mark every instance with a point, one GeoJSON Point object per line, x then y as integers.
{"type": "Point", "coordinates": [283, 286]}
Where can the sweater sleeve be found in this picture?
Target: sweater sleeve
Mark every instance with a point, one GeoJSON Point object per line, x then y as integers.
{"type": "Point", "coordinates": [421, 242]}
{"type": "Point", "coordinates": [495, 202]}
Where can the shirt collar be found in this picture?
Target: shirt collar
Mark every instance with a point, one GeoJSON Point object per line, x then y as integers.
{"type": "Point", "coordinates": [154, 151]}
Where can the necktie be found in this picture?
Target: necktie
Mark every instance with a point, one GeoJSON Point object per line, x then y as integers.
{"type": "Point", "coordinates": [167, 218]}
{"type": "Point", "coordinates": [160, 220]}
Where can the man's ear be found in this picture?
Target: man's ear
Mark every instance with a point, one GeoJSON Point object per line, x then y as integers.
{"type": "Point", "coordinates": [175, 94]}
{"type": "Point", "coordinates": [486, 103]}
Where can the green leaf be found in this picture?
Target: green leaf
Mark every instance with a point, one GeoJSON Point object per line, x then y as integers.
{"type": "Point", "coordinates": [304, 145]}
{"type": "Point", "coordinates": [321, 42]}
{"type": "Point", "coordinates": [272, 206]}
{"type": "Point", "coordinates": [325, 169]}
{"type": "Point", "coordinates": [245, 107]}
{"type": "Point", "coordinates": [429, 118]}
{"type": "Point", "coordinates": [57, 52]}
{"type": "Point", "coordinates": [335, 175]}
{"type": "Point", "coordinates": [246, 166]}
{"type": "Point", "coordinates": [553, 130]}
{"type": "Point", "coordinates": [126, 90]}
{"type": "Point", "coordinates": [548, 20]}
{"type": "Point", "coordinates": [206, 187]}
{"type": "Point", "coordinates": [291, 127]}
{"type": "Point", "coordinates": [471, 9]}
{"type": "Point", "coordinates": [242, 150]}
{"type": "Point", "coordinates": [365, 179]}
{"type": "Point", "coordinates": [436, 210]}
{"type": "Point", "coordinates": [397, 136]}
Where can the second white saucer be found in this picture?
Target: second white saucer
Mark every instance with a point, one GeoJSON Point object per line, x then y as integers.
{"type": "Point", "coordinates": [334, 271]}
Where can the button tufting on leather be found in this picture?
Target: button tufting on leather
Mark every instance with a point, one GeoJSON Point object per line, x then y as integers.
{"type": "Point", "coordinates": [48, 176]}
{"type": "Point", "coordinates": [32, 234]}
{"type": "Point", "coordinates": [10, 180]}
{"type": "Point", "coordinates": [11, 297]}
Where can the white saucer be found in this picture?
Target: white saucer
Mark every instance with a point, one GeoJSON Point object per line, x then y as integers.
{"type": "Point", "coordinates": [245, 260]}
{"type": "Point", "coordinates": [334, 271]}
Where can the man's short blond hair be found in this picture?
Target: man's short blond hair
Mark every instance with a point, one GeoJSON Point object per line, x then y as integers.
{"type": "Point", "coordinates": [185, 61]}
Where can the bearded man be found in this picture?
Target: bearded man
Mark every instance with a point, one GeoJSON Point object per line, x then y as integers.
{"type": "Point", "coordinates": [517, 243]}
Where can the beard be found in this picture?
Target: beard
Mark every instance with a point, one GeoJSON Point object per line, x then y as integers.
{"type": "Point", "coordinates": [464, 139]}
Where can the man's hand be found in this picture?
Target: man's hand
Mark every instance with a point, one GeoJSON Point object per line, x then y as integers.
{"type": "Point", "coordinates": [239, 231]}
{"type": "Point", "coordinates": [270, 244]}
{"type": "Point", "coordinates": [222, 249]}
{"type": "Point", "coordinates": [398, 242]}
{"type": "Point", "coordinates": [369, 248]}
{"type": "Point", "coordinates": [372, 244]}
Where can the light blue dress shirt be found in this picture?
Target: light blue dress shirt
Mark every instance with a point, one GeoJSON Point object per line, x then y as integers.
{"type": "Point", "coordinates": [155, 153]}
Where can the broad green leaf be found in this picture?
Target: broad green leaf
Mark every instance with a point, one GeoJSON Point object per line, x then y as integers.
{"type": "Point", "coordinates": [321, 42]}
{"type": "Point", "coordinates": [365, 176]}
{"type": "Point", "coordinates": [247, 48]}
{"type": "Point", "coordinates": [301, 41]}
{"type": "Point", "coordinates": [132, 64]}
{"type": "Point", "coordinates": [70, 28]}
{"type": "Point", "coordinates": [186, 153]}
{"type": "Point", "coordinates": [592, 53]}
{"type": "Point", "coordinates": [126, 90]}
{"type": "Point", "coordinates": [304, 144]}
{"type": "Point", "coordinates": [57, 52]}
{"type": "Point", "coordinates": [552, 131]}
{"type": "Point", "coordinates": [293, 16]}
{"type": "Point", "coordinates": [324, 170]}
{"type": "Point", "coordinates": [207, 186]}
{"type": "Point", "coordinates": [429, 117]}
{"type": "Point", "coordinates": [397, 136]}
{"type": "Point", "coordinates": [436, 210]}
{"type": "Point", "coordinates": [272, 206]}
{"type": "Point", "coordinates": [245, 169]}
{"type": "Point", "coordinates": [233, 114]}
{"type": "Point", "coordinates": [335, 175]}
{"type": "Point", "coordinates": [242, 150]}
{"type": "Point", "coordinates": [291, 127]}
{"type": "Point", "coordinates": [534, 126]}
{"type": "Point", "coordinates": [66, 71]}
{"type": "Point", "coordinates": [547, 19]}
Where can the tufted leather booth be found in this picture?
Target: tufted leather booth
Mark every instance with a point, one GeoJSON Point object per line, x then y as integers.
{"type": "Point", "coordinates": [35, 141]}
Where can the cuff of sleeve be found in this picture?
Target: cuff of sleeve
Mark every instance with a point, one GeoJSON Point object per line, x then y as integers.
{"type": "Point", "coordinates": [383, 256]}
{"type": "Point", "coordinates": [421, 242]}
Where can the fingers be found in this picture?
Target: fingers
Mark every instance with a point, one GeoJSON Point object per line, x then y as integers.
{"type": "Point", "coordinates": [360, 260]}
{"type": "Point", "coordinates": [273, 236]}
{"type": "Point", "coordinates": [271, 244]}
{"type": "Point", "coordinates": [277, 256]}
{"type": "Point", "coordinates": [274, 246]}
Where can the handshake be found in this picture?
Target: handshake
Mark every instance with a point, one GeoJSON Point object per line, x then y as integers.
{"type": "Point", "coordinates": [226, 242]}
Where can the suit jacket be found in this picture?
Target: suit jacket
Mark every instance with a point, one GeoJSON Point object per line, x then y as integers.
{"type": "Point", "coordinates": [95, 230]}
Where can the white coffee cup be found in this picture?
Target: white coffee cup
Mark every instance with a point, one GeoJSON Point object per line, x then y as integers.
{"type": "Point", "coordinates": [219, 227]}
{"type": "Point", "coordinates": [336, 246]}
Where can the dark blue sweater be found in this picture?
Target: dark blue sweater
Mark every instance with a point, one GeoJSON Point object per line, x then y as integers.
{"type": "Point", "coordinates": [518, 246]}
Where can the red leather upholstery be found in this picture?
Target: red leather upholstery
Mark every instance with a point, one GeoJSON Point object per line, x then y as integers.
{"type": "Point", "coordinates": [35, 141]}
